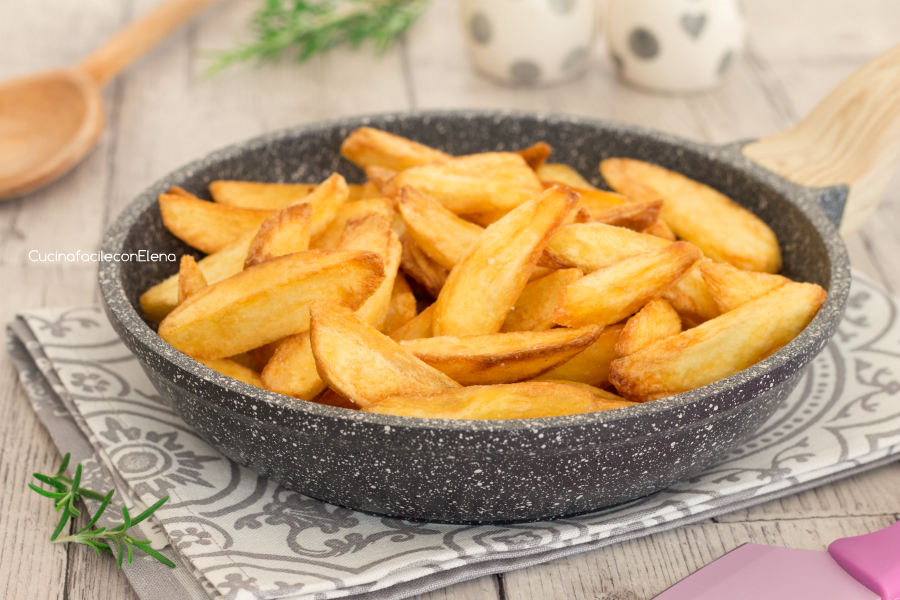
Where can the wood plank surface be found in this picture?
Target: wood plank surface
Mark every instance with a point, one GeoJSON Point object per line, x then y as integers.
{"type": "Point", "coordinates": [164, 112]}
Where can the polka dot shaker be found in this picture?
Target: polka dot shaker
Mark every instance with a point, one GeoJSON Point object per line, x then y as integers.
{"type": "Point", "coordinates": [675, 45]}
{"type": "Point", "coordinates": [529, 42]}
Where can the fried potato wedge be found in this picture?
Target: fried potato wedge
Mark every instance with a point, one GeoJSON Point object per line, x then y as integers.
{"type": "Point", "coordinates": [292, 369]}
{"type": "Point", "coordinates": [564, 174]}
{"type": "Point", "coordinates": [370, 232]}
{"type": "Point", "coordinates": [613, 400]}
{"type": "Point", "coordinates": [490, 276]}
{"type": "Point", "coordinates": [269, 301]}
{"type": "Point", "coordinates": [264, 196]}
{"type": "Point", "coordinates": [528, 400]}
{"type": "Point", "coordinates": [593, 246]}
{"type": "Point", "coordinates": [536, 154]}
{"type": "Point", "coordinates": [719, 347]}
{"type": "Point", "coordinates": [264, 353]}
{"type": "Point", "coordinates": [502, 357]}
{"type": "Point", "coordinates": [368, 147]}
{"type": "Point", "coordinates": [731, 287]}
{"type": "Point", "coordinates": [162, 298]}
{"type": "Point", "coordinates": [418, 328]}
{"type": "Point", "coordinates": [592, 365]}
{"type": "Point", "coordinates": [692, 298]}
{"type": "Point", "coordinates": [657, 320]}
{"type": "Point", "coordinates": [661, 230]}
{"type": "Point", "coordinates": [473, 184]}
{"type": "Point", "coordinates": [379, 177]}
{"type": "Point", "coordinates": [207, 226]}
{"type": "Point", "coordinates": [374, 310]}
{"type": "Point", "coordinates": [331, 236]}
{"type": "Point", "coordinates": [285, 232]}
{"type": "Point", "coordinates": [441, 234]}
{"type": "Point", "coordinates": [402, 307]}
{"type": "Point", "coordinates": [636, 216]}
{"type": "Point", "coordinates": [326, 201]}
{"type": "Point", "coordinates": [418, 265]}
{"type": "Point", "coordinates": [362, 364]}
{"type": "Point", "coordinates": [190, 278]}
{"type": "Point", "coordinates": [724, 230]}
{"type": "Point", "coordinates": [533, 311]}
{"type": "Point", "coordinates": [609, 295]}
{"type": "Point", "coordinates": [233, 369]}
{"type": "Point", "coordinates": [332, 398]}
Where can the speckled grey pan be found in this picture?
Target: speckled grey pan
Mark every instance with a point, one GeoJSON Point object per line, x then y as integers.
{"type": "Point", "coordinates": [479, 471]}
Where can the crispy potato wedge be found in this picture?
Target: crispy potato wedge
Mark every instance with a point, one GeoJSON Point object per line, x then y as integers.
{"type": "Point", "coordinates": [207, 226]}
{"type": "Point", "coordinates": [609, 295]}
{"type": "Point", "coordinates": [331, 236]}
{"type": "Point", "coordinates": [292, 369]}
{"type": "Point", "coordinates": [661, 230]}
{"type": "Point", "coordinates": [418, 265]}
{"type": "Point", "coordinates": [490, 276]}
{"type": "Point", "coordinates": [719, 347]}
{"type": "Point", "coordinates": [593, 246]}
{"type": "Point", "coordinates": [724, 230]}
{"type": "Point", "coordinates": [379, 177]}
{"type": "Point", "coordinates": [370, 232]}
{"type": "Point", "coordinates": [536, 154]}
{"type": "Point", "coordinates": [269, 301]}
{"type": "Point", "coordinates": [502, 357]}
{"type": "Point", "coordinates": [233, 369]}
{"type": "Point", "coordinates": [657, 320]}
{"type": "Point", "coordinates": [326, 201]}
{"type": "Point", "coordinates": [692, 298]}
{"type": "Point", "coordinates": [564, 174]}
{"type": "Point", "coordinates": [636, 216]}
{"type": "Point", "coordinates": [402, 307]}
{"type": "Point", "coordinates": [533, 311]}
{"type": "Point", "coordinates": [605, 396]}
{"type": "Point", "coordinates": [162, 298]}
{"type": "Point", "coordinates": [264, 196]}
{"type": "Point", "coordinates": [442, 235]}
{"type": "Point", "coordinates": [374, 310]}
{"type": "Point", "coordinates": [190, 278]}
{"type": "Point", "coordinates": [731, 287]}
{"type": "Point", "coordinates": [368, 147]}
{"type": "Point", "coordinates": [418, 328]}
{"type": "Point", "coordinates": [285, 232]}
{"type": "Point", "coordinates": [527, 400]}
{"type": "Point", "coordinates": [362, 364]}
{"type": "Point", "coordinates": [473, 184]}
{"type": "Point", "coordinates": [592, 365]}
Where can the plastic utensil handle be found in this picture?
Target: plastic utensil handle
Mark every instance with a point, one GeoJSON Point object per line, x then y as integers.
{"type": "Point", "coordinates": [130, 43]}
{"type": "Point", "coordinates": [872, 559]}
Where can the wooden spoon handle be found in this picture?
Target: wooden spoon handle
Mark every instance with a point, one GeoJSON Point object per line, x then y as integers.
{"type": "Point", "coordinates": [851, 137]}
{"type": "Point", "coordinates": [139, 36]}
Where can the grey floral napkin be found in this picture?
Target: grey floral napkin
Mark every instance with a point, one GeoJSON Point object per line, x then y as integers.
{"type": "Point", "coordinates": [237, 535]}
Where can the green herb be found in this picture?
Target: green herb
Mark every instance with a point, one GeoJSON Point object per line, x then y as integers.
{"type": "Point", "coordinates": [68, 492]}
{"type": "Point", "coordinates": [309, 27]}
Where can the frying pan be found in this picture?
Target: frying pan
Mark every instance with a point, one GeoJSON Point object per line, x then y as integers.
{"type": "Point", "coordinates": [516, 470]}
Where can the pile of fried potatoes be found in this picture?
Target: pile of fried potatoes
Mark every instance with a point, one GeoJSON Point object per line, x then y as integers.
{"type": "Point", "coordinates": [489, 286]}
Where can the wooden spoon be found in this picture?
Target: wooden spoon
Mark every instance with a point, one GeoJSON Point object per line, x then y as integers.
{"type": "Point", "coordinates": [49, 121]}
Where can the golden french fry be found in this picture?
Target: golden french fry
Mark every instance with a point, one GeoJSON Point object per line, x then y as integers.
{"type": "Point", "coordinates": [442, 235]}
{"type": "Point", "coordinates": [609, 399]}
{"type": "Point", "coordinates": [719, 347]}
{"type": "Point", "coordinates": [731, 287]}
{"type": "Point", "coordinates": [592, 246]}
{"type": "Point", "coordinates": [207, 226]}
{"type": "Point", "coordinates": [490, 276]}
{"type": "Point", "coordinates": [611, 294]}
{"type": "Point", "coordinates": [724, 230]}
{"type": "Point", "coordinates": [636, 216]}
{"type": "Point", "coordinates": [473, 184]}
{"type": "Point", "coordinates": [536, 154]}
{"type": "Point", "coordinates": [190, 278]}
{"type": "Point", "coordinates": [564, 174]}
{"type": "Point", "coordinates": [331, 236]}
{"type": "Point", "coordinates": [657, 320]}
{"type": "Point", "coordinates": [269, 301]}
{"type": "Point", "coordinates": [367, 147]}
{"type": "Point", "coordinates": [691, 297]}
{"type": "Point", "coordinates": [379, 177]}
{"type": "Point", "coordinates": [418, 265]}
{"type": "Point", "coordinates": [292, 369]}
{"type": "Point", "coordinates": [501, 357]}
{"type": "Point", "coordinates": [592, 365]}
{"type": "Point", "coordinates": [233, 369]}
{"type": "Point", "coordinates": [418, 328]}
{"type": "Point", "coordinates": [661, 230]}
{"type": "Point", "coordinates": [402, 307]}
{"type": "Point", "coordinates": [285, 232]}
{"type": "Point", "coordinates": [253, 194]}
{"type": "Point", "coordinates": [362, 364]}
{"type": "Point", "coordinates": [533, 311]}
{"type": "Point", "coordinates": [527, 400]}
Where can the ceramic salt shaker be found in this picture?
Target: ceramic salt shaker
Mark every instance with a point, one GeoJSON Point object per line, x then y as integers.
{"type": "Point", "coordinates": [529, 42]}
{"type": "Point", "coordinates": [675, 45]}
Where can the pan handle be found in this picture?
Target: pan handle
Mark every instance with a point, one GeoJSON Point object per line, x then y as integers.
{"type": "Point", "coordinates": [852, 137]}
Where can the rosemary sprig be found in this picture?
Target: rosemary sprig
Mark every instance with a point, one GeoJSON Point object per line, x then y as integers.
{"type": "Point", "coordinates": [309, 27]}
{"type": "Point", "coordinates": [68, 491]}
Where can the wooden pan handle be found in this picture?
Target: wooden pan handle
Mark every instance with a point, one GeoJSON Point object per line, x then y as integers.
{"type": "Point", "coordinates": [851, 137]}
{"type": "Point", "coordinates": [130, 43]}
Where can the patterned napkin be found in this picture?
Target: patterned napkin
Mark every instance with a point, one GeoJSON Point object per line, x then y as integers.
{"type": "Point", "coordinates": [241, 536]}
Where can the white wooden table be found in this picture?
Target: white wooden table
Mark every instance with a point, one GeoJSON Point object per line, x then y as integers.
{"type": "Point", "coordinates": [164, 112]}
